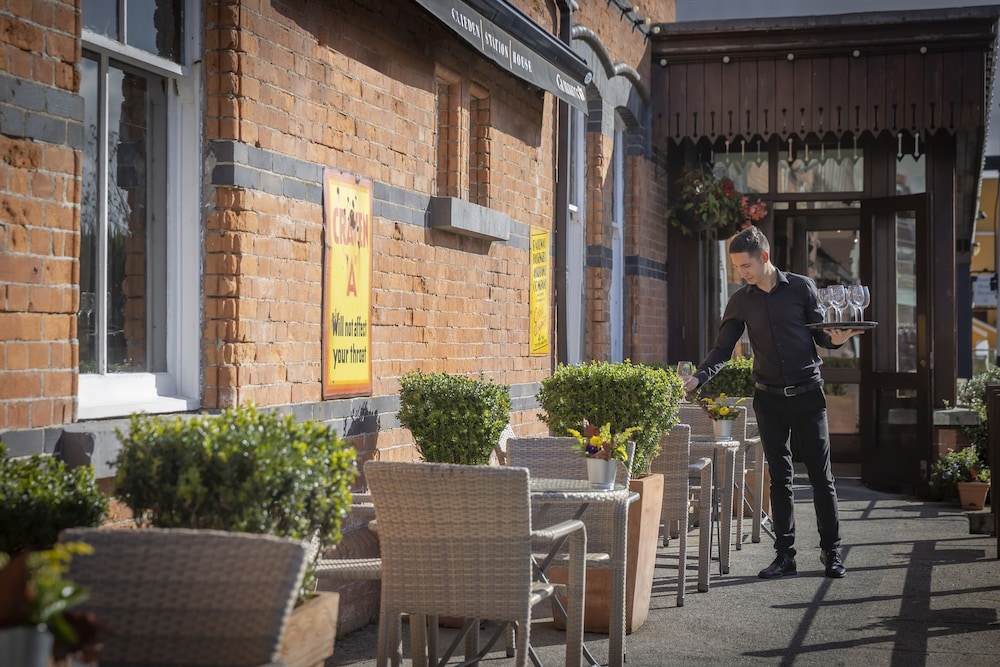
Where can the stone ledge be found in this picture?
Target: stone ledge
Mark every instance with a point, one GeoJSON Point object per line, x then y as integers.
{"type": "Point", "coordinates": [461, 217]}
{"type": "Point", "coordinates": [955, 417]}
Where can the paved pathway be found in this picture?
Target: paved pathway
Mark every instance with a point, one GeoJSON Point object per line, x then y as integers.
{"type": "Point", "coordinates": [920, 590]}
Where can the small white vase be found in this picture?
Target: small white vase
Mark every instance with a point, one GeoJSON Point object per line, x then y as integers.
{"type": "Point", "coordinates": [601, 473]}
{"type": "Point", "coordinates": [723, 429]}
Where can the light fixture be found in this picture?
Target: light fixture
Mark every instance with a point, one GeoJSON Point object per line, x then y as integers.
{"type": "Point", "coordinates": [663, 62]}
{"type": "Point", "coordinates": [791, 56]}
{"type": "Point", "coordinates": [725, 59]}
{"type": "Point", "coordinates": [855, 53]}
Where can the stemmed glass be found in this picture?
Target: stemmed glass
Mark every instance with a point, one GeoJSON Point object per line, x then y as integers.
{"type": "Point", "coordinates": [87, 305]}
{"type": "Point", "coordinates": [838, 299]}
{"type": "Point", "coordinates": [823, 297]}
{"type": "Point", "coordinates": [860, 298]}
{"type": "Point", "coordinates": [685, 369]}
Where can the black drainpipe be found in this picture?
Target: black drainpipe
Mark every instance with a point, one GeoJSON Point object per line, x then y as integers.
{"type": "Point", "coordinates": [562, 197]}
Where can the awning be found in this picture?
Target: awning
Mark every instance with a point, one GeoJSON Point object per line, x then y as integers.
{"type": "Point", "coordinates": [505, 35]}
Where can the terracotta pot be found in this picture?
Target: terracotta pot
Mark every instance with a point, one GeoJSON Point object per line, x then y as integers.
{"type": "Point", "coordinates": [972, 495]}
{"type": "Point", "coordinates": [643, 539]}
{"type": "Point", "coordinates": [311, 631]}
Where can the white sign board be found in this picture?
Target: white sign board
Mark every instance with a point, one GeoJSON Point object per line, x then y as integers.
{"type": "Point", "coordinates": [984, 295]}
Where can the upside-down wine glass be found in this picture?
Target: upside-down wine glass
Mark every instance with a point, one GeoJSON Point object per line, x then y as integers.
{"type": "Point", "coordinates": [838, 299]}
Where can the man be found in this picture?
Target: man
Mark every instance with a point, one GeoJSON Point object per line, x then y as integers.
{"type": "Point", "coordinates": [775, 307]}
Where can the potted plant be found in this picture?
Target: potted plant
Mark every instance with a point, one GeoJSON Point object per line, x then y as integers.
{"type": "Point", "coordinates": [36, 623]}
{"type": "Point", "coordinates": [723, 414]}
{"type": "Point", "coordinates": [708, 201]}
{"type": "Point", "coordinates": [245, 470]}
{"type": "Point", "coordinates": [961, 473]}
{"type": "Point", "coordinates": [40, 497]}
{"type": "Point", "coordinates": [604, 451]}
{"type": "Point", "coordinates": [453, 419]}
{"type": "Point", "coordinates": [639, 398]}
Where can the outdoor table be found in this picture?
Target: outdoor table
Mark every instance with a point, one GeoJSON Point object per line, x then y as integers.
{"type": "Point", "coordinates": [722, 495]}
{"type": "Point", "coordinates": [578, 492]}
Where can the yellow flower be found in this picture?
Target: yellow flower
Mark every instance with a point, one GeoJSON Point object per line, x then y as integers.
{"type": "Point", "coordinates": [721, 407]}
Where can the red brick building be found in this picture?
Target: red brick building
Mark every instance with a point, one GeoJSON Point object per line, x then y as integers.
{"type": "Point", "coordinates": [162, 221]}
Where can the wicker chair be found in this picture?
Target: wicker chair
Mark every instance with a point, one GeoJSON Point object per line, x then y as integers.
{"type": "Point", "coordinates": [677, 467]}
{"type": "Point", "coordinates": [556, 458]}
{"type": "Point", "coordinates": [442, 557]}
{"type": "Point", "coordinates": [756, 464]}
{"type": "Point", "coordinates": [702, 437]}
{"type": "Point", "coordinates": [188, 597]}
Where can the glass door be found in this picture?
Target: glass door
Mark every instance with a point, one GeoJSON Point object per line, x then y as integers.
{"type": "Point", "coordinates": [896, 372]}
{"type": "Point", "coordinates": [825, 245]}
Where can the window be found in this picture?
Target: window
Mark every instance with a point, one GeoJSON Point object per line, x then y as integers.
{"type": "Point", "coordinates": [463, 154]}
{"type": "Point", "coordinates": [138, 319]}
{"type": "Point", "coordinates": [479, 152]}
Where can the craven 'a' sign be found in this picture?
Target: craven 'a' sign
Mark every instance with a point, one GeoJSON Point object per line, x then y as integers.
{"type": "Point", "coordinates": [347, 285]}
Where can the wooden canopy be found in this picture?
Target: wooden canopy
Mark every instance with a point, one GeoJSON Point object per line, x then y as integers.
{"type": "Point", "coordinates": [912, 72]}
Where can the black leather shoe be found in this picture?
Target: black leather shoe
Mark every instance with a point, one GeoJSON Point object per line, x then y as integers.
{"type": "Point", "coordinates": [834, 564]}
{"type": "Point", "coordinates": [783, 566]}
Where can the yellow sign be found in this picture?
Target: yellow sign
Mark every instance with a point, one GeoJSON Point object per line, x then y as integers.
{"type": "Point", "coordinates": [347, 285]}
{"type": "Point", "coordinates": [538, 321]}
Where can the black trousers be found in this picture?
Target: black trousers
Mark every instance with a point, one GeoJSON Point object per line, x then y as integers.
{"type": "Point", "coordinates": [802, 417]}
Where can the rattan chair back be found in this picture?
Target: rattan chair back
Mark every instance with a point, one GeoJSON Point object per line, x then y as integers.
{"type": "Point", "coordinates": [188, 597]}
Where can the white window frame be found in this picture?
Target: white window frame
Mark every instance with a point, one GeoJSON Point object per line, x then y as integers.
{"type": "Point", "coordinates": [179, 388]}
{"type": "Point", "coordinates": [616, 290]}
{"type": "Point", "coordinates": [576, 248]}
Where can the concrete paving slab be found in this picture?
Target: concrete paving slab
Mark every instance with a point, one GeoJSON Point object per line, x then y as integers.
{"type": "Point", "coordinates": [920, 590]}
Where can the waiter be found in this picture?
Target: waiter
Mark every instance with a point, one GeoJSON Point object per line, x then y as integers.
{"type": "Point", "coordinates": [775, 308]}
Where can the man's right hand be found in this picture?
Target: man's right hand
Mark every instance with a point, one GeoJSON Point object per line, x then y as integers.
{"type": "Point", "coordinates": [690, 384]}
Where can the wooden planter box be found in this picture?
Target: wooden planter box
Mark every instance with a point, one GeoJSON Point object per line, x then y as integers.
{"type": "Point", "coordinates": [643, 539]}
{"type": "Point", "coordinates": [311, 632]}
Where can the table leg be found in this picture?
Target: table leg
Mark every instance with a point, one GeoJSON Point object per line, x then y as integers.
{"type": "Point", "coordinates": [726, 516]}
{"type": "Point", "coordinates": [616, 626]}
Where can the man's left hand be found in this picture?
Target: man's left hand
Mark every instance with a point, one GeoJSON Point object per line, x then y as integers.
{"type": "Point", "coordinates": [841, 336]}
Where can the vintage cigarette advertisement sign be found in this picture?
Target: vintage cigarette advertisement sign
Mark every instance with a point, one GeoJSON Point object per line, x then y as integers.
{"type": "Point", "coordinates": [347, 285]}
{"type": "Point", "coordinates": [538, 321]}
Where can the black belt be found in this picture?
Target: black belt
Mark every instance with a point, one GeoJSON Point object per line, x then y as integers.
{"type": "Point", "coordinates": [793, 390]}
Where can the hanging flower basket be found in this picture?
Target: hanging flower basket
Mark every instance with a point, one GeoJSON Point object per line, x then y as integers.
{"type": "Point", "coordinates": [708, 202]}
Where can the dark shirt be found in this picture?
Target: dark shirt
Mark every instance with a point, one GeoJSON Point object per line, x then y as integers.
{"type": "Point", "coordinates": [784, 350]}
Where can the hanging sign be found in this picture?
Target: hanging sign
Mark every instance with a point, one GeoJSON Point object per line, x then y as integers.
{"type": "Point", "coordinates": [347, 285]}
{"type": "Point", "coordinates": [540, 306]}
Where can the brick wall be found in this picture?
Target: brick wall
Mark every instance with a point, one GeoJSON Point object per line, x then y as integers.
{"type": "Point", "coordinates": [362, 99]}
{"type": "Point", "coordinates": [40, 141]}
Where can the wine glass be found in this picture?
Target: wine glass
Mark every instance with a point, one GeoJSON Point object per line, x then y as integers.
{"type": "Point", "coordinates": [87, 305]}
{"type": "Point", "coordinates": [823, 297]}
{"type": "Point", "coordinates": [685, 369]}
{"type": "Point", "coordinates": [838, 299]}
{"type": "Point", "coordinates": [856, 295]}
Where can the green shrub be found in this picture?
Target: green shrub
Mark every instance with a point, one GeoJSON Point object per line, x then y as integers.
{"type": "Point", "coordinates": [241, 470]}
{"type": "Point", "coordinates": [735, 378]}
{"type": "Point", "coordinates": [453, 419]}
{"type": "Point", "coordinates": [622, 394]}
{"type": "Point", "coordinates": [973, 395]}
{"type": "Point", "coordinates": [39, 497]}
